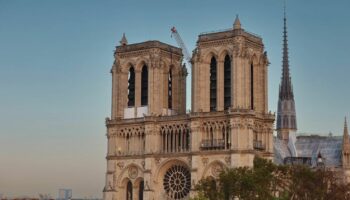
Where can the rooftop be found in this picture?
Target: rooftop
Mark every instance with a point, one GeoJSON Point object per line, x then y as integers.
{"type": "Point", "coordinates": [309, 146]}
{"type": "Point", "coordinates": [148, 45]}
{"type": "Point", "coordinates": [227, 33]}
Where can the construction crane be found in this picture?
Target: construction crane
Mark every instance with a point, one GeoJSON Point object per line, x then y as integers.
{"type": "Point", "coordinates": [181, 44]}
{"type": "Point", "coordinates": [187, 56]}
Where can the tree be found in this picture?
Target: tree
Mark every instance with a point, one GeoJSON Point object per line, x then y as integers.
{"type": "Point", "coordinates": [267, 181]}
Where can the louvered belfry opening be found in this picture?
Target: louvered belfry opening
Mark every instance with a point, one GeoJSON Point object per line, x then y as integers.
{"type": "Point", "coordinates": [252, 86]}
{"type": "Point", "coordinates": [129, 190]}
{"type": "Point", "coordinates": [213, 67]}
{"type": "Point", "coordinates": [170, 90]}
{"type": "Point", "coordinates": [131, 87]}
{"type": "Point", "coordinates": [144, 86]}
{"type": "Point", "coordinates": [141, 190]}
{"type": "Point", "coordinates": [227, 82]}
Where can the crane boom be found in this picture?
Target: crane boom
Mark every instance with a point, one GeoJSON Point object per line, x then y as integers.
{"type": "Point", "coordinates": [181, 43]}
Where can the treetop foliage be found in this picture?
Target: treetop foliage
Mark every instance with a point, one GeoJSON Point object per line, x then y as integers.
{"type": "Point", "coordinates": [268, 181]}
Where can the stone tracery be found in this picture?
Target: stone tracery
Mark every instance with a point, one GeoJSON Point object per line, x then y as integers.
{"type": "Point", "coordinates": [177, 182]}
{"type": "Point", "coordinates": [216, 135]}
{"type": "Point", "coordinates": [175, 137]}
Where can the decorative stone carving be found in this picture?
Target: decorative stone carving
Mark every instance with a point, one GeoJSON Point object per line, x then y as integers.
{"type": "Point", "coordinates": [228, 160]}
{"type": "Point", "coordinates": [157, 160]}
{"type": "Point", "coordinates": [147, 188]}
{"type": "Point", "coordinates": [205, 161]}
{"type": "Point", "coordinates": [133, 172]}
{"type": "Point", "coordinates": [189, 159]}
{"type": "Point", "coordinates": [120, 165]}
{"type": "Point", "coordinates": [216, 169]}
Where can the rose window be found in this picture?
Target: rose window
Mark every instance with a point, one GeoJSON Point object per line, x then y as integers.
{"type": "Point", "coordinates": [177, 182]}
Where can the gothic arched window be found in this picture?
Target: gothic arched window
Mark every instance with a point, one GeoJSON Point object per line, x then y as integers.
{"type": "Point", "coordinates": [252, 86]}
{"type": "Point", "coordinates": [213, 84]}
{"type": "Point", "coordinates": [144, 86]}
{"type": "Point", "coordinates": [131, 87]}
{"type": "Point", "coordinates": [129, 191]}
{"type": "Point", "coordinates": [141, 188]}
{"type": "Point", "coordinates": [227, 82]}
{"type": "Point", "coordinates": [170, 89]}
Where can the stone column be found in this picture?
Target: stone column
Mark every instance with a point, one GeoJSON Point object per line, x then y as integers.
{"type": "Point", "coordinates": [205, 75]}
{"type": "Point", "coordinates": [148, 193]}
{"type": "Point", "coordinates": [149, 137]}
{"type": "Point", "coordinates": [194, 87]}
{"type": "Point", "coordinates": [183, 91]}
{"type": "Point", "coordinates": [195, 136]}
{"type": "Point", "coordinates": [250, 136]}
{"type": "Point", "coordinates": [265, 89]}
{"type": "Point", "coordinates": [220, 86]}
{"type": "Point", "coordinates": [237, 77]}
{"type": "Point", "coordinates": [165, 90]}
{"type": "Point", "coordinates": [176, 90]}
{"type": "Point", "coordinates": [270, 136]}
{"type": "Point", "coordinates": [246, 83]}
{"type": "Point", "coordinates": [234, 134]}
{"type": "Point", "coordinates": [114, 91]}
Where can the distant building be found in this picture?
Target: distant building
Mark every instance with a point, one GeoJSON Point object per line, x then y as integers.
{"type": "Point", "coordinates": [64, 194]}
{"type": "Point", "coordinates": [312, 150]}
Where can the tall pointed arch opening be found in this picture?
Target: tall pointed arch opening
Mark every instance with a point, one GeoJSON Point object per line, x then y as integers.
{"type": "Point", "coordinates": [129, 191]}
{"type": "Point", "coordinates": [252, 86]}
{"type": "Point", "coordinates": [227, 82]}
{"type": "Point", "coordinates": [170, 89]}
{"type": "Point", "coordinates": [213, 88]}
{"type": "Point", "coordinates": [131, 87]}
{"type": "Point", "coordinates": [144, 86]}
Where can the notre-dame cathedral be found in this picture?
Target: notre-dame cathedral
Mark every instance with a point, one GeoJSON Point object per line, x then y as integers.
{"type": "Point", "coordinates": [157, 150]}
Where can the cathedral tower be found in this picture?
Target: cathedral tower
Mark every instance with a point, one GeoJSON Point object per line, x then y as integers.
{"type": "Point", "coordinates": [148, 79]}
{"type": "Point", "coordinates": [286, 115]}
{"type": "Point", "coordinates": [157, 151]}
{"type": "Point", "coordinates": [230, 74]}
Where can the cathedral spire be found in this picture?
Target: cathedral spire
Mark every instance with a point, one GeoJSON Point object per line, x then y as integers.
{"type": "Point", "coordinates": [346, 133]}
{"type": "Point", "coordinates": [286, 88]}
{"type": "Point", "coordinates": [286, 115]}
{"type": "Point", "coordinates": [123, 41]}
{"type": "Point", "coordinates": [237, 23]}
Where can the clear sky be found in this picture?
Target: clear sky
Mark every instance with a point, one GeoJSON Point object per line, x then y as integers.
{"type": "Point", "coordinates": [55, 85]}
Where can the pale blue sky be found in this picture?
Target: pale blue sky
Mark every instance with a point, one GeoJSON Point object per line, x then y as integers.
{"type": "Point", "coordinates": [55, 85]}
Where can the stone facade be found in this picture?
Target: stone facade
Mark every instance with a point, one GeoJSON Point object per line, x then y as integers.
{"type": "Point", "coordinates": [158, 151]}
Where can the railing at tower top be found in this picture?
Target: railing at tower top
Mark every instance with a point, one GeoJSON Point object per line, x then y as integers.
{"type": "Point", "coordinates": [215, 144]}
{"type": "Point", "coordinates": [228, 30]}
{"type": "Point", "coordinates": [258, 145]}
{"type": "Point", "coordinates": [216, 31]}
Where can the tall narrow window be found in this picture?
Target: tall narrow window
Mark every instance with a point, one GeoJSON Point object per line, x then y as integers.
{"type": "Point", "coordinates": [131, 87]}
{"type": "Point", "coordinates": [213, 84]}
{"type": "Point", "coordinates": [170, 90]}
{"type": "Point", "coordinates": [144, 86]}
{"type": "Point", "coordinates": [252, 86]}
{"type": "Point", "coordinates": [141, 188]}
{"type": "Point", "coordinates": [227, 82]}
{"type": "Point", "coordinates": [129, 191]}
